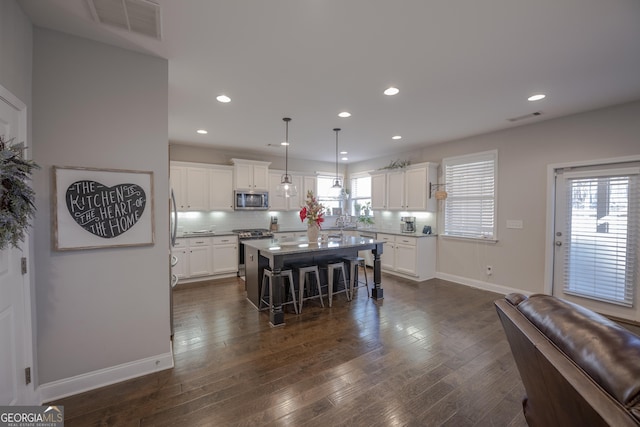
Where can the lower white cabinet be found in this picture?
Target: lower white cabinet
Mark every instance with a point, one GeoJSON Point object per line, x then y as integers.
{"type": "Point", "coordinates": [412, 257]}
{"type": "Point", "coordinates": [194, 257]}
{"type": "Point", "coordinates": [225, 254]}
{"type": "Point", "coordinates": [205, 256]}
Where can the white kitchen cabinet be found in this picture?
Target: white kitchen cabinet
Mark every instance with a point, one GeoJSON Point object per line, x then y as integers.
{"type": "Point", "coordinates": [406, 256]}
{"type": "Point", "coordinates": [202, 187]}
{"type": "Point", "coordinates": [406, 189]}
{"type": "Point", "coordinates": [191, 187]}
{"type": "Point", "coordinates": [388, 257]}
{"type": "Point", "coordinates": [200, 256]}
{"type": "Point", "coordinates": [379, 190]}
{"type": "Point", "coordinates": [395, 190]}
{"type": "Point", "coordinates": [194, 257]}
{"type": "Point", "coordinates": [225, 254]}
{"type": "Point", "coordinates": [411, 257]}
{"type": "Point", "coordinates": [250, 175]}
{"type": "Point", "coordinates": [221, 188]}
{"type": "Point", "coordinates": [417, 180]}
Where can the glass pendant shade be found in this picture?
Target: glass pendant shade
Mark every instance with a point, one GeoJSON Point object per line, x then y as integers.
{"type": "Point", "coordinates": [337, 183]}
{"type": "Point", "coordinates": [286, 188]}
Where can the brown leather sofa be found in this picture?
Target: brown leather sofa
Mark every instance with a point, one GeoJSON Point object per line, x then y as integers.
{"type": "Point", "coordinates": [578, 368]}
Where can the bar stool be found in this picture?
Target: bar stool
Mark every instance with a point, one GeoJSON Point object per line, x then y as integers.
{"type": "Point", "coordinates": [304, 282]}
{"type": "Point", "coordinates": [331, 268]}
{"type": "Point", "coordinates": [268, 275]}
{"type": "Point", "coordinates": [354, 263]}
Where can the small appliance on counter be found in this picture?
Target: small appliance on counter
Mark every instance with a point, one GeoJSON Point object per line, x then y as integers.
{"type": "Point", "coordinates": [408, 224]}
{"type": "Point", "coordinates": [273, 225]}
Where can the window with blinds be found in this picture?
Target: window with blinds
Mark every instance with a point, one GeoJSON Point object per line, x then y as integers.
{"type": "Point", "coordinates": [328, 196]}
{"type": "Point", "coordinates": [360, 193]}
{"type": "Point", "coordinates": [470, 207]}
{"type": "Point", "coordinates": [602, 229]}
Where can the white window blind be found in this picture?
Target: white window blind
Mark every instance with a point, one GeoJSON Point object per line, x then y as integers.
{"type": "Point", "coordinates": [360, 193]}
{"type": "Point", "coordinates": [361, 187]}
{"type": "Point", "coordinates": [328, 196]}
{"type": "Point", "coordinates": [602, 225]}
{"type": "Point", "coordinates": [470, 182]}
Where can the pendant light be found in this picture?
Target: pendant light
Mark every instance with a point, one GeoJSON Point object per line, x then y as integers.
{"type": "Point", "coordinates": [337, 184]}
{"type": "Point", "coordinates": [286, 187]}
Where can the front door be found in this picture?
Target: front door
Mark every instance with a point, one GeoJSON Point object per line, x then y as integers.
{"type": "Point", "coordinates": [596, 238]}
{"type": "Point", "coordinates": [15, 301]}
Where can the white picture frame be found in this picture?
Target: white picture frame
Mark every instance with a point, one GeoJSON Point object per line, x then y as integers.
{"type": "Point", "coordinates": [97, 208]}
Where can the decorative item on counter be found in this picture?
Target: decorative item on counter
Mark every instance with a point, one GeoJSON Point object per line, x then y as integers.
{"type": "Point", "coordinates": [17, 205]}
{"type": "Point", "coordinates": [313, 212]}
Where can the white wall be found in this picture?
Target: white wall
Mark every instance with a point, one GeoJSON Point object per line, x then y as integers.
{"type": "Point", "coordinates": [523, 155]}
{"type": "Point", "coordinates": [15, 50]}
{"type": "Point", "coordinates": [103, 314]}
{"type": "Point", "coordinates": [191, 153]}
{"type": "Point", "coordinates": [16, 40]}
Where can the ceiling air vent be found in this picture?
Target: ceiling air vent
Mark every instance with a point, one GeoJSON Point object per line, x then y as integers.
{"type": "Point", "coordinates": [137, 16]}
{"type": "Point", "coordinates": [525, 117]}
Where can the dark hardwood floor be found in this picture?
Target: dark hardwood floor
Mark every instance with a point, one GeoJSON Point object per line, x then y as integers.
{"type": "Point", "coordinates": [430, 354]}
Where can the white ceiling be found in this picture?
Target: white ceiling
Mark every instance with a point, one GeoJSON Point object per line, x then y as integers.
{"type": "Point", "coordinates": [463, 67]}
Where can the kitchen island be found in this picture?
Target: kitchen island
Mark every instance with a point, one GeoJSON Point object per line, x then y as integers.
{"type": "Point", "coordinates": [275, 254]}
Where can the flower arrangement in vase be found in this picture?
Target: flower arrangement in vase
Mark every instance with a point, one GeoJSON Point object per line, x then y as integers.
{"type": "Point", "coordinates": [313, 212]}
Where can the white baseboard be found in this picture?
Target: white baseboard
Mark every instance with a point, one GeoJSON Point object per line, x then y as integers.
{"type": "Point", "coordinates": [103, 377]}
{"type": "Point", "coordinates": [486, 286]}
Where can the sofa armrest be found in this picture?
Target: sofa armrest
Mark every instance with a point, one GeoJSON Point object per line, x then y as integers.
{"type": "Point", "coordinates": [559, 393]}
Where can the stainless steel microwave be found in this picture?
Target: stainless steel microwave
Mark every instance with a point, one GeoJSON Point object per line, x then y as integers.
{"type": "Point", "coordinates": [250, 201]}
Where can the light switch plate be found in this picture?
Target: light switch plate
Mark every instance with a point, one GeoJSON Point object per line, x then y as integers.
{"type": "Point", "coordinates": [514, 223]}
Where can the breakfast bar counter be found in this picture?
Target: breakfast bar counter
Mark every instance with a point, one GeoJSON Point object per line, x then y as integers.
{"type": "Point", "coordinates": [275, 254]}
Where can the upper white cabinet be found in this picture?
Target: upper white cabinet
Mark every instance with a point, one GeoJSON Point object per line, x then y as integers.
{"type": "Point", "coordinates": [221, 188]}
{"type": "Point", "coordinates": [250, 175]}
{"type": "Point", "coordinates": [201, 187]}
{"type": "Point", "coordinates": [406, 189]}
{"type": "Point", "coordinates": [225, 254]}
{"type": "Point", "coordinates": [191, 187]}
{"type": "Point", "coordinates": [378, 190]}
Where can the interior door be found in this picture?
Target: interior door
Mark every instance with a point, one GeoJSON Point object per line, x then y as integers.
{"type": "Point", "coordinates": [596, 238]}
{"type": "Point", "coordinates": [15, 302]}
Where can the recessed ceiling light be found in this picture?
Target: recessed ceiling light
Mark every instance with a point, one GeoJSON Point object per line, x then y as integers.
{"type": "Point", "coordinates": [223, 98]}
{"type": "Point", "coordinates": [202, 132]}
{"type": "Point", "coordinates": [396, 137]}
{"type": "Point", "coordinates": [391, 91]}
{"type": "Point", "coordinates": [345, 158]}
{"type": "Point", "coordinates": [344, 114]}
{"type": "Point", "coordinates": [537, 97]}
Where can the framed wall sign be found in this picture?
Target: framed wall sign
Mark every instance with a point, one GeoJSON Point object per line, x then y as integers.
{"type": "Point", "coordinates": [97, 208]}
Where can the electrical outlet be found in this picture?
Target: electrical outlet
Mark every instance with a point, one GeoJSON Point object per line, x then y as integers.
{"type": "Point", "coordinates": [489, 270]}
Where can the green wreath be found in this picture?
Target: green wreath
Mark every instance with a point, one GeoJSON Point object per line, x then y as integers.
{"type": "Point", "coordinates": [17, 198]}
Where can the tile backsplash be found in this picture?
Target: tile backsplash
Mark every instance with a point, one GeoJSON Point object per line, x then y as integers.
{"type": "Point", "coordinates": [219, 221]}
